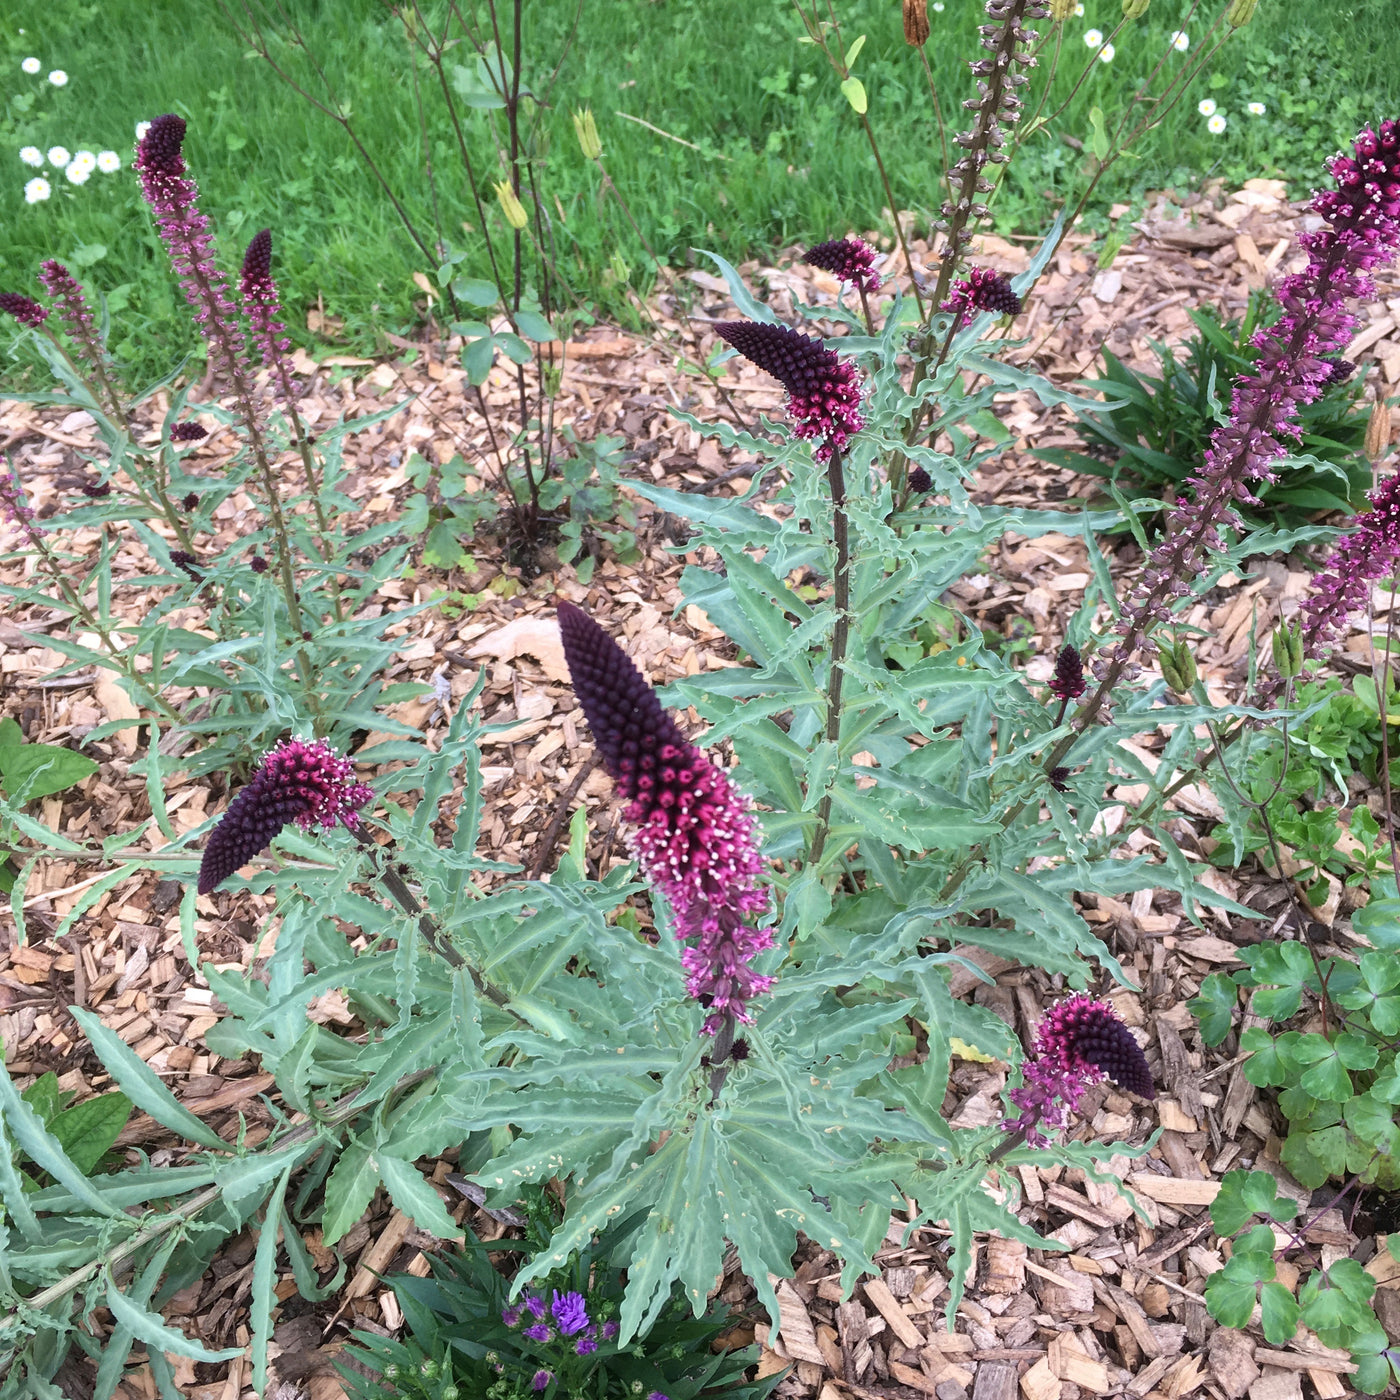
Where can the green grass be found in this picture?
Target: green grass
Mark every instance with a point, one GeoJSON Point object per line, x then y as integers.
{"type": "Point", "coordinates": [781, 157]}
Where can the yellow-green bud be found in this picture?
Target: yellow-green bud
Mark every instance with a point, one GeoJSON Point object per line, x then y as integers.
{"type": "Point", "coordinates": [1135, 9]}
{"type": "Point", "coordinates": [511, 206]}
{"type": "Point", "coordinates": [1178, 667]}
{"type": "Point", "coordinates": [1287, 643]}
{"type": "Point", "coordinates": [1061, 10]}
{"type": "Point", "coordinates": [1240, 13]}
{"type": "Point", "coordinates": [586, 130]}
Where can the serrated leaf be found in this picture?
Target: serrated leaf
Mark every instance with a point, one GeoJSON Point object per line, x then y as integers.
{"type": "Point", "coordinates": [1280, 1313]}
{"type": "Point", "coordinates": [148, 1327]}
{"type": "Point", "coordinates": [416, 1198]}
{"type": "Point", "coordinates": [349, 1189]}
{"type": "Point", "coordinates": [1214, 1007]}
{"type": "Point", "coordinates": [265, 1280]}
{"type": "Point", "coordinates": [87, 1130]}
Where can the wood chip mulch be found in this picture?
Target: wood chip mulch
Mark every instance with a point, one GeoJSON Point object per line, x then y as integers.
{"type": "Point", "coordinates": [1119, 1313]}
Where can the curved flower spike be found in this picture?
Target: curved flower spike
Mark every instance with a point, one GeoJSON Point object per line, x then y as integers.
{"type": "Point", "coordinates": [695, 840]}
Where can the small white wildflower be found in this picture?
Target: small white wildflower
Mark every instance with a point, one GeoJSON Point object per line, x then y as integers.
{"type": "Point", "coordinates": [86, 159]}
{"type": "Point", "coordinates": [938, 7]}
{"type": "Point", "coordinates": [1181, 40]}
{"type": "Point", "coordinates": [78, 174]}
{"type": "Point", "coordinates": [1106, 53]}
{"type": "Point", "coordinates": [37, 189]}
{"type": "Point", "coordinates": [31, 65]}
{"type": "Point", "coordinates": [58, 78]}
{"type": "Point", "coordinates": [32, 155]}
{"type": "Point", "coordinates": [1206, 106]}
{"type": "Point", "coordinates": [1216, 125]}
{"type": "Point", "coordinates": [1093, 37]}
{"type": "Point", "coordinates": [59, 156]}
{"type": "Point", "coordinates": [108, 162]}
{"type": "Point", "coordinates": [1256, 109]}
{"type": "Point", "coordinates": [141, 129]}
{"type": "Point", "coordinates": [1079, 12]}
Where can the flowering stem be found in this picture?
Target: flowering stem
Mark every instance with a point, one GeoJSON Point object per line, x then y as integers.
{"type": "Point", "coordinates": [840, 635]}
{"type": "Point", "coordinates": [1008, 1144]}
{"type": "Point", "coordinates": [1382, 684]}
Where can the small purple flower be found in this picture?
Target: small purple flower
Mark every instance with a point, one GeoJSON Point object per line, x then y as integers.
{"type": "Point", "coordinates": [1079, 1042]}
{"type": "Point", "coordinates": [308, 783]}
{"type": "Point", "coordinates": [511, 1317]}
{"type": "Point", "coordinates": [983, 289]}
{"type": "Point", "coordinates": [535, 1306]}
{"type": "Point", "coordinates": [1069, 681]}
{"type": "Point", "coordinates": [609, 1331]}
{"type": "Point", "coordinates": [542, 1378]}
{"type": "Point", "coordinates": [188, 432]}
{"type": "Point", "coordinates": [657, 1395]}
{"type": "Point", "coordinates": [1339, 370]}
{"type": "Point", "coordinates": [25, 310]}
{"type": "Point", "coordinates": [850, 259]}
{"type": "Point", "coordinates": [588, 1343]}
{"type": "Point", "coordinates": [823, 390]}
{"type": "Point", "coordinates": [539, 1332]}
{"type": "Point", "coordinates": [696, 840]}
{"type": "Point", "coordinates": [570, 1312]}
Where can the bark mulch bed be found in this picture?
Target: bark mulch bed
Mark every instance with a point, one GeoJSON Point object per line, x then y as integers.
{"type": "Point", "coordinates": [1121, 1312]}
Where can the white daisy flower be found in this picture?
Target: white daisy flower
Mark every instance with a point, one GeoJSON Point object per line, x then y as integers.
{"type": "Point", "coordinates": [1079, 12]}
{"type": "Point", "coordinates": [32, 155]}
{"type": "Point", "coordinates": [1093, 37]}
{"type": "Point", "coordinates": [86, 159]}
{"type": "Point", "coordinates": [141, 129]}
{"type": "Point", "coordinates": [59, 156]}
{"type": "Point", "coordinates": [1181, 40]}
{"type": "Point", "coordinates": [1206, 106]}
{"type": "Point", "coordinates": [1256, 109]}
{"type": "Point", "coordinates": [938, 7]}
{"type": "Point", "coordinates": [31, 65]}
{"type": "Point", "coordinates": [78, 174]}
{"type": "Point", "coordinates": [108, 162]}
{"type": "Point", "coordinates": [36, 190]}
{"type": "Point", "coordinates": [1106, 53]}
{"type": "Point", "coordinates": [58, 78]}
{"type": "Point", "coordinates": [1216, 125]}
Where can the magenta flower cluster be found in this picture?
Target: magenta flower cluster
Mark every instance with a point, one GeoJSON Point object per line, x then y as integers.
{"type": "Point", "coordinates": [695, 835]}
{"type": "Point", "coordinates": [983, 289]}
{"type": "Point", "coordinates": [261, 305]}
{"type": "Point", "coordinates": [297, 781]}
{"type": "Point", "coordinates": [850, 259]}
{"type": "Point", "coordinates": [189, 240]}
{"type": "Point", "coordinates": [823, 390]}
{"type": "Point", "coordinates": [1068, 682]}
{"type": "Point", "coordinates": [1360, 229]}
{"type": "Point", "coordinates": [1079, 1042]}
{"type": "Point", "coordinates": [25, 310]}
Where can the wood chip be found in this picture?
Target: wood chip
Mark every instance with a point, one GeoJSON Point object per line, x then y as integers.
{"type": "Point", "coordinates": [1173, 1191]}
{"type": "Point", "coordinates": [1005, 1265]}
{"type": "Point", "coordinates": [1041, 1383]}
{"type": "Point", "coordinates": [885, 1302]}
{"type": "Point", "coordinates": [1275, 1384]}
{"type": "Point", "coordinates": [996, 1380]}
{"type": "Point", "coordinates": [1070, 1362]}
{"type": "Point", "coordinates": [799, 1337]}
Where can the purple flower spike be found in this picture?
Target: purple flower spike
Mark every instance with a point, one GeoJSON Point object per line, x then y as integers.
{"type": "Point", "coordinates": [261, 304]}
{"type": "Point", "coordinates": [542, 1378]}
{"type": "Point", "coordinates": [25, 310]}
{"type": "Point", "coordinates": [570, 1312]}
{"type": "Point", "coordinates": [308, 783]}
{"type": "Point", "coordinates": [189, 240]}
{"type": "Point", "coordinates": [696, 841]}
{"type": "Point", "coordinates": [187, 432]}
{"type": "Point", "coordinates": [850, 259]}
{"type": "Point", "coordinates": [1079, 1042]}
{"type": "Point", "coordinates": [823, 390]}
{"type": "Point", "coordinates": [982, 290]}
{"type": "Point", "coordinates": [14, 508]}
{"type": "Point", "coordinates": [1069, 674]}
{"type": "Point", "coordinates": [74, 312]}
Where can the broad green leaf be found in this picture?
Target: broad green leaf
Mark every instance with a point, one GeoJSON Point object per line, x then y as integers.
{"type": "Point", "coordinates": [416, 1198]}
{"type": "Point", "coordinates": [40, 770]}
{"type": "Point", "coordinates": [87, 1130]}
{"type": "Point", "coordinates": [1214, 1008]}
{"type": "Point", "coordinates": [141, 1084]}
{"type": "Point", "coordinates": [854, 91]}
{"type": "Point", "coordinates": [1280, 1313]}
{"type": "Point", "coordinates": [349, 1189]}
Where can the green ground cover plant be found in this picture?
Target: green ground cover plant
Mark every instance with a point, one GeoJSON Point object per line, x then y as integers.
{"type": "Point", "coordinates": [761, 150]}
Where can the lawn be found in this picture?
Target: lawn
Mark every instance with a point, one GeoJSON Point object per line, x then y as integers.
{"type": "Point", "coordinates": [761, 149]}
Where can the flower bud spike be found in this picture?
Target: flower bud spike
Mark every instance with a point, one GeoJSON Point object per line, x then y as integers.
{"type": "Point", "coordinates": [511, 206]}
{"type": "Point", "coordinates": [586, 129]}
{"type": "Point", "coordinates": [1240, 13]}
{"type": "Point", "coordinates": [850, 259]}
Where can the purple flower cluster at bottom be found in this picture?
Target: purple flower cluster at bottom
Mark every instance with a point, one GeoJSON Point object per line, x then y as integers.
{"type": "Point", "coordinates": [1079, 1042]}
{"type": "Point", "coordinates": [570, 1314]}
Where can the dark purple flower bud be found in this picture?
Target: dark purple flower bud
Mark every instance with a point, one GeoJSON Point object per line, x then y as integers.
{"type": "Point", "coordinates": [161, 150]}
{"type": "Point", "coordinates": [920, 481]}
{"type": "Point", "coordinates": [1079, 1042]}
{"type": "Point", "coordinates": [587, 1345]}
{"type": "Point", "coordinates": [261, 304]}
{"type": "Point", "coordinates": [983, 289]}
{"type": "Point", "coordinates": [542, 1378]}
{"type": "Point", "coordinates": [539, 1332]}
{"type": "Point", "coordinates": [511, 1317]}
{"type": "Point", "coordinates": [258, 564]}
{"type": "Point", "coordinates": [609, 1331]}
{"type": "Point", "coordinates": [191, 500]}
{"type": "Point", "coordinates": [1069, 681]}
{"type": "Point", "coordinates": [1059, 779]}
{"type": "Point", "coordinates": [301, 781]}
{"type": "Point", "coordinates": [98, 489]}
{"type": "Point", "coordinates": [850, 259]}
{"type": "Point", "coordinates": [188, 432]}
{"type": "Point", "coordinates": [257, 260]}
{"type": "Point", "coordinates": [696, 840]}
{"type": "Point", "coordinates": [25, 310]}
{"type": "Point", "coordinates": [187, 562]}
{"type": "Point", "coordinates": [534, 1305]}
{"type": "Point", "coordinates": [823, 390]}
{"type": "Point", "coordinates": [570, 1312]}
{"type": "Point", "coordinates": [1339, 370]}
